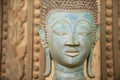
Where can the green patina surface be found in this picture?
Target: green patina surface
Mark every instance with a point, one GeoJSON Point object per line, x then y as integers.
{"type": "Point", "coordinates": [70, 43]}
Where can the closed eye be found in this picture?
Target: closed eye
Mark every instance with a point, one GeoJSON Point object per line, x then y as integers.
{"type": "Point", "coordinates": [60, 32]}
{"type": "Point", "coordinates": [84, 33]}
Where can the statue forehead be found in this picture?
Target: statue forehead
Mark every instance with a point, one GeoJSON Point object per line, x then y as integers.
{"type": "Point", "coordinates": [71, 16]}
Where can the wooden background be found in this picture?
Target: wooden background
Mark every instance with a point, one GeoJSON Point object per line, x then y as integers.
{"type": "Point", "coordinates": [21, 54]}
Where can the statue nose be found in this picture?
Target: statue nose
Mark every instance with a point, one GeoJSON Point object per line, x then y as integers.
{"type": "Point", "coordinates": [72, 41]}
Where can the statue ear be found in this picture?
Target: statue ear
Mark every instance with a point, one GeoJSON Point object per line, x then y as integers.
{"type": "Point", "coordinates": [48, 63]}
{"type": "Point", "coordinates": [42, 36]}
{"type": "Point", "coordinates": [47, 54]}
{"type": "Point", "coordinates": [89, 59]}
{"type": "Point", "coordinates": [98, 31]}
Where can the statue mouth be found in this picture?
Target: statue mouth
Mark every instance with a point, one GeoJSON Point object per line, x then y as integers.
{"type": "Point", "coordinates": [72, 53]}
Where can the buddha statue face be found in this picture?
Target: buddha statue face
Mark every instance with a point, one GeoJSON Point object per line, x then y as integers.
{"type": "Point", "coordinates": [68, 32]}
{"type": "Point", "coordinates": [70, 36]}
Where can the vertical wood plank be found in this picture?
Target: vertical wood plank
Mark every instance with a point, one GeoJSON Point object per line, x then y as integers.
{"type": "Point", "coordinates": [42, 56]}
{"type": "Point", "coordinates": [115, 39]}
{"type": "Point", "coordinates": [103, 48]}
{"type": "Point", "coordinates": [29, 39]}
{"type": "Point", "coordinates": [0, 34]}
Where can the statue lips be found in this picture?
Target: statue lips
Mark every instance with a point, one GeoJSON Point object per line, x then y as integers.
{"type": "Point", "coordinates": [72, 52]}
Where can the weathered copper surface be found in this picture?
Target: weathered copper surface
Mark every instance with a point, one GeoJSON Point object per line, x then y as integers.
{"type": "Point", "coordinates": [68, 35]}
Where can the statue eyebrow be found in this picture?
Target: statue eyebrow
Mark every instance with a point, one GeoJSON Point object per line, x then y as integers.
{"type": "Point", "coordinates": [78, 21]}
{"type": "Point", "coordinates": [59, 21]}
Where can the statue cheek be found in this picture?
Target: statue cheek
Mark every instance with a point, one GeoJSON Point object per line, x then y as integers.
{"type": "Point", "coordinates": [58, 38]}
{"type": "Point", "coordinates": [86, 43]}
{"type": "Point", "coordinates": [56, 42]}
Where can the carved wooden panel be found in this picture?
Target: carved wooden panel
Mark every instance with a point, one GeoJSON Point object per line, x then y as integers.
{"type": "Point", "coordinates": [38, 54]}
{"type": "Point", "coordinates": [107, 40]}
{"type": "Point", "coordinates": [15, 49]}
{"type": "Point", "coordinates": [16, 39]}
{"type": "Point", "coordinates": [109, 44]}
{"type": "Point", "coordinates": [4, 39]}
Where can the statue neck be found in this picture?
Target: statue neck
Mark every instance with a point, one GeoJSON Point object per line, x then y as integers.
{"type": "Point", "coordinates": [65, 73]}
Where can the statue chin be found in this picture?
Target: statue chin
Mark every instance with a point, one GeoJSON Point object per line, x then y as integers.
{"type": "Point", "coordinates": [66, 60]}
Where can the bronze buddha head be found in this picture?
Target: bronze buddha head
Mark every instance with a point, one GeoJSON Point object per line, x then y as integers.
{"type": "Point", "coordinates": [68, 33]}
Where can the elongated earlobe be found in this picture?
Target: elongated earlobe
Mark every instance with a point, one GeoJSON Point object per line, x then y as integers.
{"type": "Point", "coordinates": [89, 61]}
{"type": "Point", "coordinates": [48, 62]}
{"type": "Point", "coordinates": [47, 54]}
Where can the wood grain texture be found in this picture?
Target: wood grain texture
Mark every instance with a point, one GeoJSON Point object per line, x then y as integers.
{"type": "Point", "coordinates": [116, 38]}
{"type": "Point", "coordinates": [29, 40]}
{"type": "Point", "coordinates": [0, 34]}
